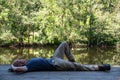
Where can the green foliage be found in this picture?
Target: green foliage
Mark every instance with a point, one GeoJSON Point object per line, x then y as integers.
{"type": "Point", "coordinates": [95, 22]}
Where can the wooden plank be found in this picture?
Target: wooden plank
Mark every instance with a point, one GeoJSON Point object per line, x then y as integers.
{"type": "Point", "coordinates": [114, 74]}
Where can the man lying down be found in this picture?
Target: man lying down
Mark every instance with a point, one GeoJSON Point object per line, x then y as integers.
{"type": "Point", "coordinates": [55, 63]}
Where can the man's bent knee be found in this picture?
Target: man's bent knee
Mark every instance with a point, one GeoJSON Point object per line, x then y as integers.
{"type": "Point", "coordinates": [64, 42]}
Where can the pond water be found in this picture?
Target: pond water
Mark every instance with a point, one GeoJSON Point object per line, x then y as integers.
{"type": "Point", "coordinates": [82, 55]}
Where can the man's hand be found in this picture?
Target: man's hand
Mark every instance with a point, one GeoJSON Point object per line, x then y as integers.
{"type": "Point", "coordinates": [19, 69]}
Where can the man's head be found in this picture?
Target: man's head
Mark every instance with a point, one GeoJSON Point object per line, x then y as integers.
{"type": "Point", "coordinates": [19, 62]}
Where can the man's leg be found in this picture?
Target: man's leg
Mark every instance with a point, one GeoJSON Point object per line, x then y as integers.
{"type": "Point", "coordinates": [65, 65]}
{"type": "Point", "coordinates": [61, 64]}
{"type": "Point", "coordinates": [82, 67]}
{"type": "Point", "coordinates": [64, 49]}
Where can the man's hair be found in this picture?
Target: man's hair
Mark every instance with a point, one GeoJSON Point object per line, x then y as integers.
{"type": "Point", "coordinates": [16, 62]}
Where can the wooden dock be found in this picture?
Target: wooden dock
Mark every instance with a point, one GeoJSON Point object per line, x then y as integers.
{"type": "Point", "coordinates": [114, 74]}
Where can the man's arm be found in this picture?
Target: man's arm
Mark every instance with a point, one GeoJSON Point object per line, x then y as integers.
{"type": "Point", "coordinates": [19, 69]}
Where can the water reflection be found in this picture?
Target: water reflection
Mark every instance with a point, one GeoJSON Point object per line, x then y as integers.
{"type": "Point", "coordinates": [82, 55]}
